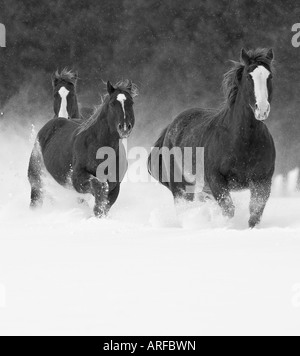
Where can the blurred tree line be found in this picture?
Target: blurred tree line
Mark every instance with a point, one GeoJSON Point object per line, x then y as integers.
{"type": "Point", "coordinates": [176, 51]}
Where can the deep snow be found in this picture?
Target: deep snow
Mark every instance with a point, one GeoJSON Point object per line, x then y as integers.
{"type": "Point", "coordinates": [145, 270]}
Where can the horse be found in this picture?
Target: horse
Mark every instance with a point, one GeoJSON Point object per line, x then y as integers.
{"type": "Point", "coordinates": [68, 150]}
{"type": "Point", "coordinates": [65, 97]}
{"type": "Point", "coordinates": [64, 92]}
{"type": "Point", "coordinates": [239, 151]}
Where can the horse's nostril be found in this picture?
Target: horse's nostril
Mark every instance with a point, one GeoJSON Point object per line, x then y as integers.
{"type": "Point", "coordinates": [129, 126]}
{"type": "Point", "coordinates": [120, 127]}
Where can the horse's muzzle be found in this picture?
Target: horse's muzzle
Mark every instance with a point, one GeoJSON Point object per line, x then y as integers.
{"type": "Point", "coordinates": [124, 130]}
{"type": "Point", "coordinates": [262, 113]}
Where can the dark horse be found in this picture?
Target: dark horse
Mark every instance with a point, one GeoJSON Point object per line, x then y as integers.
{"type": "Point", "coordinates": [65, 97]}
{"type": "Point", "coordinates": [68, 150]}
{"type": "Point", "coordinates": [239, 151]}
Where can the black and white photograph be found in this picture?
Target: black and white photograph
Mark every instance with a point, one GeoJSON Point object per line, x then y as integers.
{"type": "Point", "coordinates": [149, 170]}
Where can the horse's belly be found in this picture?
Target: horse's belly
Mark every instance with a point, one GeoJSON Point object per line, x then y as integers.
{"type": "Point", "coordinates": [238, 184]}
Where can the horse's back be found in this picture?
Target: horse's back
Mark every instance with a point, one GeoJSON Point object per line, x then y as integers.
{"type": "Point", "coordinates": [187, 128]}
{"type": "Point", "coordinates": [184, 131]}
{"type": "Point", "coordinates": [55, 128]}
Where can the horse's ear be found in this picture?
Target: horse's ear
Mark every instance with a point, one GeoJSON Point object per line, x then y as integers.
{"type": "Point", "coordinates": [244, 57]}
{"type": "Point", "coordinates": [110, 88]}
{"type": "Point", "coordinates": [270, 54]}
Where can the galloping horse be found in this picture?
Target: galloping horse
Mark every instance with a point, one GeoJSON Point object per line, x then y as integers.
{"type": "Point", "coordinates": [239, 151]}
{"type": "Point", "coordinates": [68, 150]}
{"type": "Point", "coordinates": [64, 93]}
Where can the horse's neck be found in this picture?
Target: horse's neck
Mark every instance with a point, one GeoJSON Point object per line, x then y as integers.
{"type": "Point", "coordinates": [241, 121]}
{"type": "Point", "coordinates": [100, 135]}
{"type": "Point", "coordinates": [75, 110]}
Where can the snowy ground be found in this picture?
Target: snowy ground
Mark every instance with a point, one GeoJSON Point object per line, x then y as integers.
{"type": "Point", "coordinates": [145, 270]}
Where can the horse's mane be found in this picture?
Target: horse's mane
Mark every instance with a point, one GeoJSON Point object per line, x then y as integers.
{"type": "Point", "coordinates": [232, 77]}
{"type": "Point", "coordinates": [65, 75]}
{"type": "Point", "coordinates": [126, 86]}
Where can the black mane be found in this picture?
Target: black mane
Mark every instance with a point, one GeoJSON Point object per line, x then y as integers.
{"type": "Point", "coordinates": [66, 76]}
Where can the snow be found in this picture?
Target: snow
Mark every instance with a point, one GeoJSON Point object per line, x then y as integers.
{"type": "Point", "coordinates": [147, 269]}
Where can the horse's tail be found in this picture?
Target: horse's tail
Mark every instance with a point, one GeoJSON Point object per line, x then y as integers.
{"type": "Point", "coordinates": [155, 159]}
{"type": "Point", "coordinates": [35, 172]}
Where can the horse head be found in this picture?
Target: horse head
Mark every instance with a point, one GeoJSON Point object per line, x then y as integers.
{"type": "Point", "coordinates": [64, 92]}
{"type": "Point", "coordinates": [256, 81]}
{"type": "Point", "coordinates": [120, 112]}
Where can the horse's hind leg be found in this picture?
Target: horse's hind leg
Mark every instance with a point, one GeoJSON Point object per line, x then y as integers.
{"type": "Point", "coordinates": [35, 177]}
{"type": "Point", "coordinates": [260, 193]}
{"type": "Point", "coordinates": [180, 195]}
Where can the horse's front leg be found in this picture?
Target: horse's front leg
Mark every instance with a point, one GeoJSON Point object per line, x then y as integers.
{"type": "Point", "coordinates": [221, 192]}
{"type": "Point", "coordinates": [85, 183]}
{"type": "Point", "coordinates": [260, 194]}
{"type": "Point", "coordinates": [100, 191]}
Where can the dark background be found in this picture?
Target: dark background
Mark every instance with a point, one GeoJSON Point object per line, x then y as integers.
{"type": "Point", "coordinates": [175, 50]}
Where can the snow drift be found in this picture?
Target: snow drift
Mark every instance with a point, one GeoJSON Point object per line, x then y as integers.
{"type": "Point", "coordinates": [147, 269]}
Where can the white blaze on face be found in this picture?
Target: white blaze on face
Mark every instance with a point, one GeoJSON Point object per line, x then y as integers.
{"type": "Point", "coordinates": [63, 112]}
{"type": "Point", "coordinates": [122, 98]}
{"type": "Point", "coordinates": [260, 76]}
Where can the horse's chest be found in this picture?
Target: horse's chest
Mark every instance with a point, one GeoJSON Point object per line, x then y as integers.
{"type": "Point", "coordinates": [112, 163]}
{"type": "Point", "coordinates": [244, 167]}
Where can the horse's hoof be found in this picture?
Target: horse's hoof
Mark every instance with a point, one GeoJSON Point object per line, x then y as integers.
{"type": "Point", "coordinates": [100, 213]}
{"type": "Point", "coordinates": [35, 205]}
{"type": "Point", "coordinates": [229, 213]}
{"type": "Point", "coordinates": [253, 222]}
